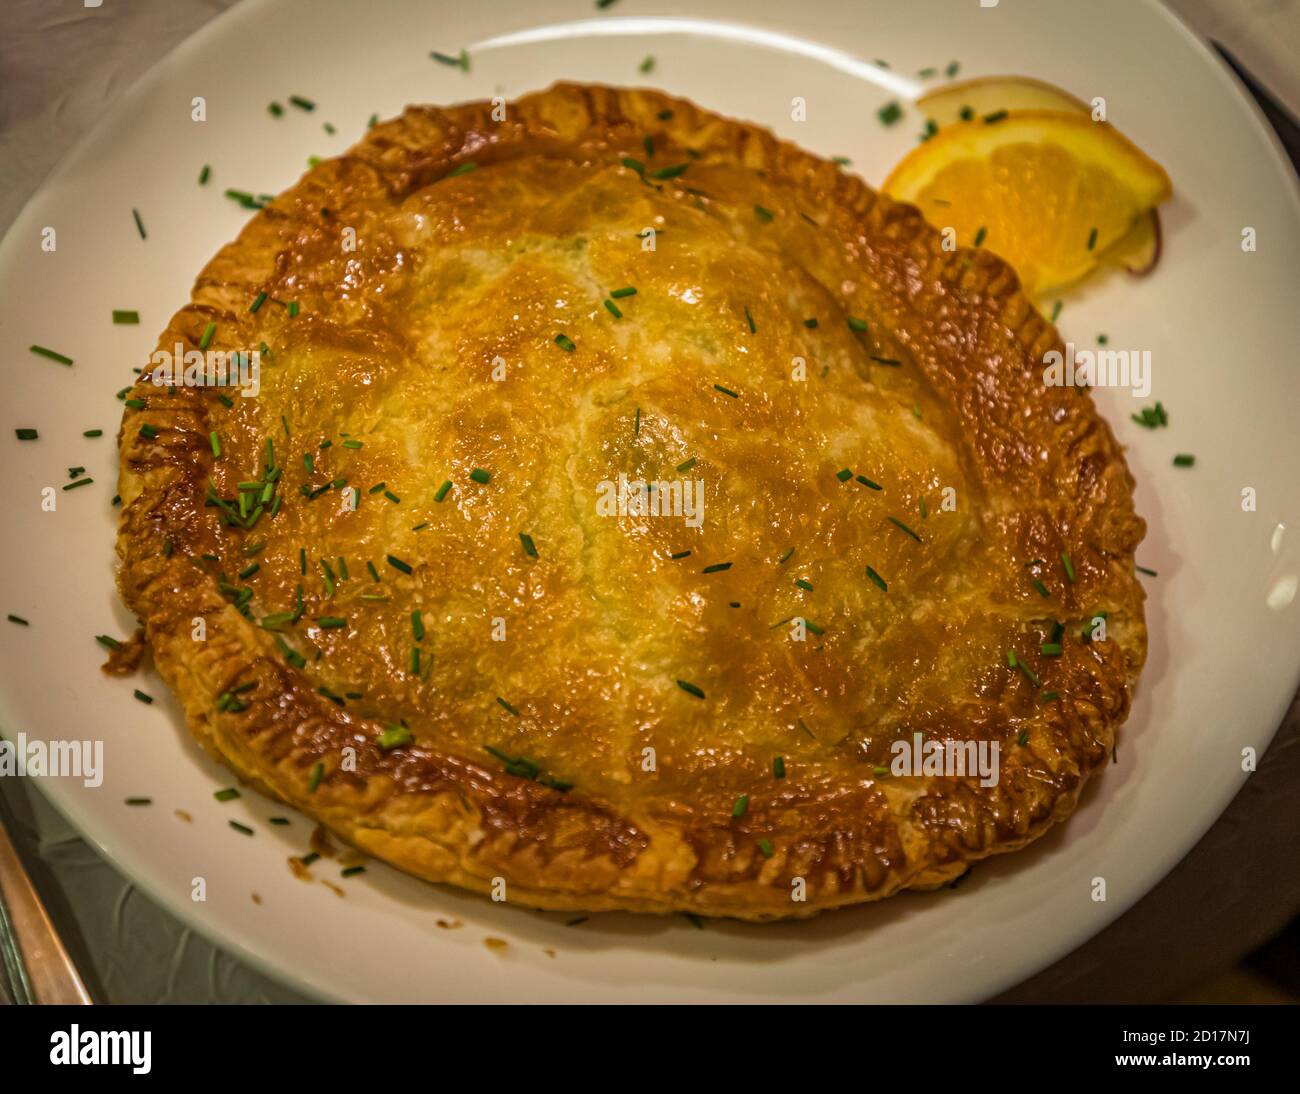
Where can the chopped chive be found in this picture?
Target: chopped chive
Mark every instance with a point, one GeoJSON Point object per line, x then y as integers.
{"type": "Point", "coordinates": [352, 871]}
{"type": "Point", "coordinates": [765, 847]}
{"type": "Point", "coordinates": [279, 821]}
{"type": "Point", "coordinates": [618, 294]}
{"type": "Point", "coordinates": [507, 707]}
{"type": "Point", "coordinates": [980, 236]}
{"type": "Point", "coordinates": [1149, 573]}
{"type": "Point", "coordinates": [26, 434]}
{"type": "Point", "coordinates": [877, 579]}
{"type": "Point", "coordinates": [613, 309]}
{"type": "Point", "coordinates": [19, 620]}
{"type": "Point", "coordinates": [1184, 460]}
{"type": "Point", "coordinates": [765, 215]}
{"type": "Point", "coordinates": [301, 103]}
{"type": "Point", "coordinates": [725, 391]}
{"type": "Point", "coordinates": [442, 491]}
{"type": "Point", "coordinates": [461, 169]}
{"type": "Point", "coordinates": [204, 175]}
{"type": "Point", "coordinates": [143, 696]}
{"type": "Point", "coordinates": [1092, 239]}
{"type": "Point", "coordinates": [742, 804]}
{"type": "Point", "coordinates": [93, 433]}
{"type": "Point", "coordinates": [139, 801]}
{"type": "Point", "coordinates": [139, 224]}
{"type": "Point", "coordinates": [125, 318]}
{"type": "Point", "coordinates": [241, 827]}
{"type": "Point", "coordinates": [107, 641]}
{"type": "Point", "coordinates": [995, 117]}
{"type": "Point", "coordinates": [480, 476]}
{"type": "Point", "coordinates": [1043, 591]}
{"type": "Point", "coordinates": [461, 60]}
{"type": "Point", "coordinates": [806, 585]}
{"type": "Point", "coordinates": [208, 332]}
{"type": "Point", "coordinates": [811, 324]}
{"type": "Point", "coordinates": [750, 320]}
{"type": "Point", "coordinates": [1048, 696]}
{"type": "Point", "coordinates": [785, 557]}
{"type": "Point", "coordinates": [778, 767]}
{"type": "Point", "coordinates": [679, 555]}
{"type": "Point", "coordinates": [331, 622]}
{"type": "Point", "coordinates": [314, 779]}
{"type": "Point", "coordinates": [1050, 649]}
{"type": "Point", "coordinates": [1056, 311]}
{"type": "Point", "coordinates": [892, 362]}
{"type": "Point", "coordinates": [903, 527]}
{"type": "Point", "coordinates": [868, 483]}
{"type": "Point", "coordinates": [889, 113]}
{"type": "Point", "coordinates": [716, 568]}
{"type": "Point", "coordinates": [686, 465]}
{"type": "Point", "coordinates": [690, 689]}
{"type": "Point", "coordinates": [1069, 566]}
{"type": "Point", "coordinates": [530, 548]}
{"type": "Point", "coordinates": [565, 343]}
{"type": "Point", "coordinates": [79, 482]}
{"type": "Point", "coordinates": [394, 737]}
{"type": "Point", "coordinates": [274, 109]}
{"type": "Point", "coordinates": [1022, 738]}
{"type": "Point", "coordinates": [216, 444]}
{"type": "Point", "coordinates": [398, 564]}
{"type": "Point", "coordinates": [228, 794]}
{"type": "Point", "coordinates": [844, 475]}
{"type": "Point", "coordinates": [43, 352]}
{"type": "Point", "coordinates": [857, 324]}
{"type": "Point", "coordinates": [669, 172]}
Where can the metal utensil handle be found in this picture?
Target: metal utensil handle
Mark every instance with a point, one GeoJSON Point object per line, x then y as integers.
{"type": "Point", "coordinates": [51, 976]}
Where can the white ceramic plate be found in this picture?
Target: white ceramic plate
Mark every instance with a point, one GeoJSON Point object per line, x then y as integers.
{"type": "Point", "coordinates": [1221, 325]}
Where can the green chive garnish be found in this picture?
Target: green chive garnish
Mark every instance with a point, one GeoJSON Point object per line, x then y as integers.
{"type": "Point", "coordinates": [26, 434]}
{"type": "Point", "coordinates": [778, 767]}
{"type": "Point", "coordinates": [126, 318]}
{"type": "Point", "coordinates": [314, 779]}
{"type": "Point", "coordinates": [875, 577]}
{"type": "Point", "coordinates": [394, 737]}
{"type": "Point", "coordinates": [618, 294]}
{"type": "Point", "coordinates": [716, 568]}
{"type": "Point", "coordinates": [742, 804]}
{"type": "Point", "coordinates": [506, 706]}
{"type": "Point", "coordinates": [301, 103]}
{"type": "Point", "coordinates": [903, 527]}
{"type": "Point", "coordinates": [1069, 566]}
{"type": "Point", "coordinates": [143, 696]}
{"type": "Point", "coordinates": [565, 343]}
{"type": "Point", "coordinates": [398, 564]}
{"type": "Point", "coordinates": [19, 620]}
{"type": "Point", "coordinates": [139, 224]}
{"type": "Point", "coordinates": [1184, 460]}
{"type": "Point", "coordinates": [208, 332]}
{"type": "Point", "coordinates": [530, 548]}
{"type": "Point", "coordinates": [669, 172]}
{"type": "Point", "coordinates": [857, 324]}
{"type": "Point", "coordinates": [43, 352]}
{"type": "Point", "coordinates": [228, 794]}
{"type": "Point", "coordinates": [690, 689]}
{"type": "Point", "coordinates": [480, 476]}
{"type": "Point", "coordinates": [996, 116]}
{"type": "Point", "coordinates": [241, 828]}
{"type": "Point", "coordinates": [442, 491]}
{"type": "Point", "coordinates": [889, 113]}
{"type": "Point", "coordinates": [1092, 239]}
{"type": "Point", "coordinates": [613, 310]}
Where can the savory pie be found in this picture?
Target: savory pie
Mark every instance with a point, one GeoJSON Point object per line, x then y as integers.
{"type": "Point", "coordinates": [622, 487]}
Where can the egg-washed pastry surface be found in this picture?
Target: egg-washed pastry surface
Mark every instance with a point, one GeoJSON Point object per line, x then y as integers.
{"type": "Point", "coordinates": [621, 486]}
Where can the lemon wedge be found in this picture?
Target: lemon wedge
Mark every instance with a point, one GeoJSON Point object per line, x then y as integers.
{"type": "Point", "coordinates": [1050, 191]}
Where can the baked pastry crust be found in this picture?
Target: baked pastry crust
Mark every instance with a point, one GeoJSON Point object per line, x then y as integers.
{"type": "Point", "coordinates": [394, 344]}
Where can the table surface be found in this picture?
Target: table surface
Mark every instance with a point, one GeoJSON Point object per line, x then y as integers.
{"type": "Point", "coordinates": [62, 66]}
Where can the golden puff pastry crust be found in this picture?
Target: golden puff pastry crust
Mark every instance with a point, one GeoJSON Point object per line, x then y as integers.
{"type": "Point", "coordinates": [499, 678]}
